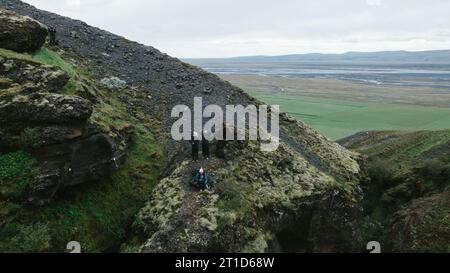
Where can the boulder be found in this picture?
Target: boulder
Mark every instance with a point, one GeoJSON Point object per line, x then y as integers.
{"type": "Point", "coordinates": [21, 33]}
{"type": "Point", "coordinates": [22, 71]}
{"type": "Point", "coordinates": [85, 158]}
{"type": "Point", "coordinates": [44, 108]}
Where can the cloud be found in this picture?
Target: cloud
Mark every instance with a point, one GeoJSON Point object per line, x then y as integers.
{"type": "Point", "coordinates": [73, 3]}
{"type": "Point", "coordinates": [220, 28]}
{"type": "Point", "coordinates": [373, 2]}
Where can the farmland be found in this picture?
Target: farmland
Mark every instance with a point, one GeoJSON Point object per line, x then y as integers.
{"type": "Point", "coordinates": [340, 108]}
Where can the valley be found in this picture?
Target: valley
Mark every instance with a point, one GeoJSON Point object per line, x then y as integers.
{"type": "Point", "coordinates": [340, 108]}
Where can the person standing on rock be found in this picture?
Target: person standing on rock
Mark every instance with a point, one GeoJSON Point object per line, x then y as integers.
{"type": "Point", "coordinates": [221, 143]}
{"type": "Point", "coordinates": [195, 146]}
{"type": "Point", "coordinates": [205, 146]}
{"type": "Point", "coordinates": [52, 36]}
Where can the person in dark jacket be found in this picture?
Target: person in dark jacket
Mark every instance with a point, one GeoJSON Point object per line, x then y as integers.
{"type": "Point", "coordinates": [205, 146]}
{"type": "Point", "coordinates": [52, 36]}
{"type": "Point", "coordinates": [194, 146]}
{"type": "Point", "coordinates": [221, 144]}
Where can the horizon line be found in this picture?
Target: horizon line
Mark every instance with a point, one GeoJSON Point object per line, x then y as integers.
{"type": "Point", "coordinates": [317, 53]}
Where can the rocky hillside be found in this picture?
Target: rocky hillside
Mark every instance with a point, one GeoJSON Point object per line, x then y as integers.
{"type": "Point", "coordinates": [79, 160]}
{"type": "Point", "coordinates": [406, 204]}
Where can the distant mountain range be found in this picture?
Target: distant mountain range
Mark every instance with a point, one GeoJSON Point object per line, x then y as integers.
{"type": "Point", "coordinates": [433, 56]}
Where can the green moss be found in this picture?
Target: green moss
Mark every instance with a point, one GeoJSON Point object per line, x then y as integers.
{"type": "Point", "coordinates": [232, 198]}
{"type": "Point", "coordinates": [16, 171]}
{"type": "Point", "coordinates": [20, 238]}
{"type": "Point", "coordinates": [30, 138]}
{"type": "Point", "coordinates": [47, 56]}
{"type": "Point", "coordinates": [98, 214]}
{"type": "Point", "coordinates": [12, 54]}
{"type": "Point", "coordinates": [258, 245]}
{"type": "Point", "coordinates": [5, 83]}
{"type": "Point", "coordinates": [372, 228]}
{"type": "Point", "coordinates": [70, 87]}
{"type": "Point", "coordinates": [433, 234]}
{"type": "Point", "coordinates": [110, 115]}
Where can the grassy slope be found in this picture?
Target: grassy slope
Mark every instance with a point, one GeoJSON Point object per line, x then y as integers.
{"type": "Point", "coordinates": [337, 118]}
{"type": "Point", "coordinates": [47, 56]}
{"type": "Point", "coordinates": [405, 151]}
{"type": "Point", "coordinates": [97, 214]}
{"type": "Point", "coordinates": [50, 57]}
{"type": "Point", "coordinates": [405, 167]}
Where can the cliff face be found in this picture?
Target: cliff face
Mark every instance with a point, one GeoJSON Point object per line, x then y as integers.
{"type": "Point", "coordinates": [36, 115]}
{"type": "Point", "coordinates": [307, 190]}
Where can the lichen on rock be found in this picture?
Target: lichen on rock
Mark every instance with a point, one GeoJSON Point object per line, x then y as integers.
{"type": "Point", "coordinates": [114, 83]}
{"type": "Point", "coordinates": [254, 197]}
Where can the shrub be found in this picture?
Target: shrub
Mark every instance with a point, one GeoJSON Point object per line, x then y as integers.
{"type": "Point", "coordinates": [372, 229]}
{"type": "Point", "coordinates": [20, 238]}
{"type": "Point", "coordinates": [16, 170]}
{"type": "Point", "coordinates": [381, 174]}
{"type": "Point", "coordinates": [114, 83]}
{"type": "Point", "coordinates": [30, 138]}
{"type": "Point", "coordinates": [436, 171]}
{"type": "Point", "coordinates": [432, 169]}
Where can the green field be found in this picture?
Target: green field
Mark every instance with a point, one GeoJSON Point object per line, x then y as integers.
{"type": "Point", "coordinates": [338, 118]}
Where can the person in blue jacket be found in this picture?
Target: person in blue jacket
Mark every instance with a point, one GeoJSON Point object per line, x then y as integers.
{"type": "Point", "coordinates": [201, 179]}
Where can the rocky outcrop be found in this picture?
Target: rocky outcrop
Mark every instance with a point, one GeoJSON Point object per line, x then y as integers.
{"type": "Point", "coordinates": [53, 127]}
{"type": "Point", "coordinates": [85, 155]}
{"type": "Point", "coordinates": [29, 73]}
{"type": "Point", "coordinates": [43, 108]}
{"type": "Point", "coordinates": [20, 33]}
{"type": "Point", "coordinates": [256, 199]}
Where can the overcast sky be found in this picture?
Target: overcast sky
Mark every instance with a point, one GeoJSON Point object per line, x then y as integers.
{"type": "Point", "coordinates": [225, 28]}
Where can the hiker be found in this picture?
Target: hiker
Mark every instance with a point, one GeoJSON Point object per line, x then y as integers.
{"type": "Point", "coordinates": [205, 146]}
{"type": "Point", "coordinates": [52, 34]}
{"type": "Point", "coordinates": [194, 146]}
{"type": "Point", "coordinates": [201, 179]}
{"type": "Point", "coordinates": [221, 144]}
